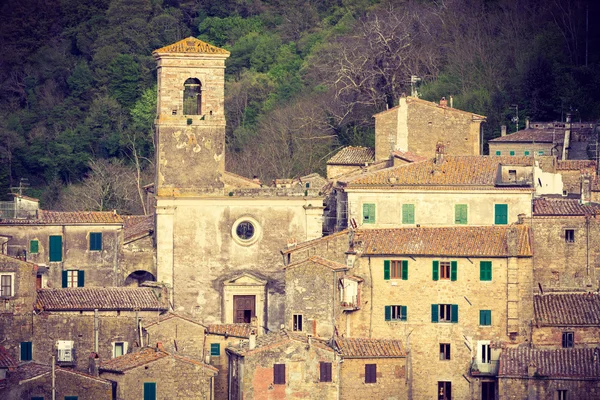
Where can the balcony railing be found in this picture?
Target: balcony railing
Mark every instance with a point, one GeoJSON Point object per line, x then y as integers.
{"type": "Point", "coordinates": [479, 368]}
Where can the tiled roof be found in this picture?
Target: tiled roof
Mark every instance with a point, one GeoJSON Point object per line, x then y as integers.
{"type": "Point", "coordinates": [169, 316]}
{"type": "Point", "coordinates": [408, 156]}
{"type": "Point", "coordinates": [453, 171]}
{"type": "Point", "coordinates": [565, 363]}
{"type": "Point", "coordinates": [369, 348]}
{"type": "Point", "coordinates": [275, 339]}
{"type": "Point", "coordinates": [70, 217]}
{"type": "Point", "coordinates": [114, 298]}
{"type": "Point", "coordinates": [191, 45]}
{"type": "Point", "coordinates": [29, 370]}
{"type": "Point", "coordinates": [549, 206]}
{"type": "Point", "coordinates": [575, 165]}
{"type": "Point", "coordinates": [533, 135]}
{"type": "Point", "coordinates": [353, 156]}
{"type": "Point", "coordinates": [567, 309]}
{"type": "Point", "coordinates": [464, 241]}
{"type": "Point", "coordinates": [6, 361]}
{"type": "Point", "coordinates": [336, 266]}
{"type": "Point", "coordinates": [313, 242]}
{"type": "Point", "coordinates": [133, 360]}
{"type": "Point", "coordinates": [235, 330]}
{"type": "Point", "coordinates": [411, 99]}
{"type": "Point", "coordinates": [137, 225]}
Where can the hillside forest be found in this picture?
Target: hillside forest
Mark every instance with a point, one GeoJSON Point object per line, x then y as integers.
{"type": "Point", "coordinates": [78, 81]}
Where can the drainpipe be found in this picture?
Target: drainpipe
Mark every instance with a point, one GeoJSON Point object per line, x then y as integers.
{"type": "Point", "coordinates": [96, 330]}
{"type": "Point", "coordinates": [53, 362]}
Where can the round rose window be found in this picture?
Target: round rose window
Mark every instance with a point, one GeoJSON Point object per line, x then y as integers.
{"type": "Point", "coordinates": [245, 230]}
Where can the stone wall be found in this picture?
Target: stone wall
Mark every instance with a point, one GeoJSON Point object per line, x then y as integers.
{"type": "Point", "coordinates": [23, 276]}
{"type": "Point", "coordinates": [139, 255]}
{"type": "Point", "coordinates": [544, 388]}
{"type": "Point", "coordinates": [551, 336]}
{"type": "Point", "coordinates": [392, 381]}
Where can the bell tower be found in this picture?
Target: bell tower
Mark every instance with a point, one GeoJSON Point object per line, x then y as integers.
{"type": "Point", "coordinates": [190, 126]}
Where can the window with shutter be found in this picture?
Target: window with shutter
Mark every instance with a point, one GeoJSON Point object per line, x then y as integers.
{"type": "Point", "coordinates": [395, 313]}
{"type": "Point", "coordinates": [436, 270]}
{"type": "Point", "coordinates": [368, 213]}
{"type": "Point", "coordinates": [149, 390]}
{"type": "Point", "coordinates": [485, 270]}
{"type": "Point", "coordinates": [398, 269]}
{"type": "Point", "coordinates": [95, 241]}
{"type": "Point", "coordinates": [434, 312]}
{"type": "Point", "coordinates": [454, 313]}
{"type": "Point", "coordinates": [325, 372]}
{"type": "Point", "coordinates": [485, 317]}
{"type": "Point", "coordinates": [453, 270]}
{"type": "Point", "coordinates": [500, 214]}
{"type": "Point", "coordinates": [279, 374]}
{"type": "Point", "coordinates": [26, 351]}
{"type": "Point", "coordinates": [370, 373]}
{"type": "Point", "coordinates": [460, 214]}
{"type": "Point", "coordinates": [386, 270]}
{"type": "Point", "coordinates": [34, 246]}
{"type": "Point", "coordinates": [55, 245]}
{"type": "Point", "coordinates": [408, 213]}
{"type": "Point", "coordinates": [215, 349]}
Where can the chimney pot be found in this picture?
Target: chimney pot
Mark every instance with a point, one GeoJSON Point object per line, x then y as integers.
{"type": "Point", "coordinates": [252, 340]}
{"type": "Point", "coordinates": [503, 130]}
{"type": "Point", "coordinates": [443, 102]}
{"type": "Point", "coordinates": [527, 122]}
{"type": "Point", "coordinates": [159, 346]}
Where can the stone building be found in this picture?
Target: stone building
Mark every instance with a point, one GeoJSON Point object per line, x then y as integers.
{"type": "Point", "coordinates": [417, 125]}
{"type": "Point", "coordinates": [208, 219]}
{"type": "Point", "coordinates": [138, 251]}
{"type": "Point", "coordinates": [532, 374]}
{"type": "Point", "coordinates": [34, 381]}
{"type": "Point", "coordinates": [372, 368]}
{"type": "Point", "coordinates": [18, 280]}
{"type": "Point", "coordinates": [283, 365]}
{"type": "Point", "coordinates": [154, 374]}
{"type": "Point", "coordinates": [349, 159]}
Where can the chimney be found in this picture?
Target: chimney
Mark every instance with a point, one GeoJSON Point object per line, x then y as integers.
{"type": "Point", "coordinates": [94, 364]}
{"type": "Point", "coordinates": [586, 188]}
{"type": "Point", "coordinates": [527, 123]}
{"type": "Point", "coordinates": [512, 241]}
{"type": "Point", "coordinates": [451, 101]}
{"type": "Point", "coordinates": [521, 219]}
{"type": "Point", "coordinates": [568, 118]}
{"type": "Point", "coordinates": [159, 346]}
{"type": "Point", "coordinates": [503, 130]}
{"type": "Point", "coordinates": [440, 149]}
{"type": "Point", "coordinates": [443, 102]}
{"type": "Point", "coordinates": [252, 341]}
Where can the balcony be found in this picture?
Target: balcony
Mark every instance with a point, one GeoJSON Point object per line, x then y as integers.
{"type": "Point", "coordinates": [350, 304]}
{"type": "Point", "coordinates": [479, 368]}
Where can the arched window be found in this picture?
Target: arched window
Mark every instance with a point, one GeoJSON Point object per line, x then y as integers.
{"type": "Point", "coordinates": [192, 97]}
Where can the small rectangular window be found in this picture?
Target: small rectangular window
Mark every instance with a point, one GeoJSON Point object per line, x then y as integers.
{"type": "Point", "coordinates": [408, 213]}
{"type": "Point", "coordinates": [460, 214]}
{"type": "Point", "coordinates": [444, 351]}
{"type": "Point", "coordinates": [399, 269]}
{"type": "Point", "coordinates": [6, 285]}
{"type": "Point", "coordinates": [500, 214]}
{"type": "Point", "coordinates": [568, 339]}
{"type": "Point", "coordinates": [485, 317]}
{"type": "Point", "coordinates": [297, 320]}
{"type": "Point", "coordinates": [325, 372]}
{"type": "Point", "coordinates": [485, 270]}
{"type": "Point", "coordinates": [395, 313]}
{"type": "Point", "coordinates": [149, 390]}
{"type": "Point", "coordinates": [95, 241]}
{"type": "Point", "coordinates": [444, 391]}
{"type": "Point", "coordinates": [368, 213]}
{"type": "Point", "coordinates": [444, 269]}
{"type": "Point", "coordinates": [370, 373]}
{"type": "Point", "coordinates": [34, 246]}
{"type": "Point", "coordinates": [570, 235]}
{"type": "Point", "coordinates": [119, 349]}
{"type": "Point", "coordinates": [26, 351]}
{"type": "Point", "coordinates": [561, 395]}
{"type": "Point", "coordinates": [279, 374]}
{"type": "Point", "coordinates": [541, 153]}
{"type": "Point", "coordinates": [486, 353]}
{"type": "Point", "coordinates": [55, 246]}
{"type": "Point", "coordinates": [526, 152]}
{"type": "Point", "coordinates": [215, 349]}
{"type": "Point", "coordinates": [512, 153]}
{"type": "Point", "coordinates": [498, 153]}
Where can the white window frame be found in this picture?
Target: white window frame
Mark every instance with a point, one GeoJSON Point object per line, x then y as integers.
{"type": "Point", "coordinates": [72, 274]}
{"type": "Point", "coordinates": [114, 348]}
{"type": "Point", "coordinates": [12, 284]}
{"type": "Point", "coordinates": [297, 322]}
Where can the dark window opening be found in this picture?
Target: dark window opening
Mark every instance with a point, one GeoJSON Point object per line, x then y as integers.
{"type": "Point", "coordinates": [370, 373]}
{"type": "Point", "coordinates": [561, 395]}
{"type": "Point", "coordinates": [488, 391]}
{"type": "Point", "coordinates": [325, 372]}
{"type": "Point", "coordinates": [192, 97]}
{"type": "Point", "coordinates": [444, 270]}
{"type": "Point", "coordinates": [245, 230]}
{"type": "Point", "coordinates": [279, 374]}
{"type": "Point", "coordinates": [568, 339]}
{"type": "Point", "coordinates": [444, 390]}
{"type": "Point", "coordinates": [569, 235]}
{"type": "Point", "coordinates": [297, 322]}
{"type": "Point", "coordinates": [444, 351]}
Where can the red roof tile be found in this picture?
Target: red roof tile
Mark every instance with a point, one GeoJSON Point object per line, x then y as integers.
{"type": "Point", "coordinates": [32, 370]}
{"type": "Point", "coordinates": [369, 348]}
{"type": "Point", "coordinates": [558, 363]}
{"type": "Point", "coordinates": [137, 225]}
{"type": "Point", "coordinates": [313, 242]}
{"type": "Point", "coordinates": [575, 165]}
{"type": "Point", "coordinates": [353, 156]}
{"type": "Point", "coordinates": [549, 206]}
{"type": "Point", "coordinates": [234, 330]}
{"type": "Point", "coordinates": [114, 298]}
{"type": "Point", "coordinates": [169, 316]}
{"type": "Point", "coordinates": [320, 261]}
{"type": "Point", "coordinates": [467, 171]}
{"type": "Point", "coordinates": [70, 217]}
{"type": "Point", "coordinates": [6, 361]}
{"type": "Point", "coordinates": [408, 156]}
{"type": "Point", "coordinates": [464, 241]}
{"type": "Point", "coordinates": [533, 135]}
{"type": "Point", "coordinates": [191, 45]}
{"type": "Point", "coordinates": [143, 357]}
{"type": "Point", "coordinates": [275, 339]}
{"type": "Point", "coordinates": [567, 309]}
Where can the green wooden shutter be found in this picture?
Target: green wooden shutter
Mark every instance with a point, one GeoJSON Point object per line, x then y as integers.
{"type": "Point", "coordinates": [55, 248]}
{"type": "Point", "coordinates": [369, 213]}
{"type": "Point", "coordinates": [526, 152]}
{"type": "Point", "coordinates": [512, 153]}
{"type": "Point", "coordinates": [500, 214]}
{"type": "Point", "coordinates": [453, 270]}
{"type": "Point", "coordinates": [404, 270]}
{"type": "Point", "coordinates": [408, 213]}
{"type": "Point", "coordinates": [215, 349]}
{"type": "Point", "coordinates": [34, 246]}
{"type": "Point", "coordinates": [434, 313]}
{"type": "Point", "coordinates": [498, 153]}
{"type": "Point", "coordinates": [485, 270]}
{"type": "Point", "coordinates": [149, 391]}
{"type": "Point", "coordinates": [403, 311]}
{"type": "Point", "coordinates": [454, 313]}
{"type": "Point", "coordinates": [388, 313]}
{"type": "Point", "coordinates": [80, 278]}
{"type": "Point", "coordinates": [64, 279]}
{"type": "Point", "coordinates": [485, 317]}
{"type": "Point", "coordinates": [386, 270]}
{"type": "Point", "coordinates": [460, 214]}
{"type": "Point", "coordinates": [96, 241]}
{"type": "Point", "coordinates": [436, 270]}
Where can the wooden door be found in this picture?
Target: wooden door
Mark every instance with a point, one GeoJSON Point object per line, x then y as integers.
{"type": "Point", "coordinates": [244, 308]}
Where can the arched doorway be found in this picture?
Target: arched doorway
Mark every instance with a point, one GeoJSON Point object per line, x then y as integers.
{"type": "Point", "coordinates": [136, 278]}
{"type": "Point", "coordinates": [192, 97]}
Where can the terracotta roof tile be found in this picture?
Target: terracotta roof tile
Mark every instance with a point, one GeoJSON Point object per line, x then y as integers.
{"type": "Point", "coordinates": [235, 330]}
{"type": "Point", "coordinates": [353, 156]}
{"type": "Point", "coordinates": [70, 217]}
{"type": "Point", "coordinates": [29, 370]}
{"type": "Point", "coordinates": [408, 156]}
{"type": "Point", "coordinates": [369, 348]}
{"type": "Point", "coordinates": [114, 298]}
{"type": "Point", "coordinates": [137, 225]}
{"type": "Point", "coordinates": [191, 45]}
{"type": "Point", "coordinates": [533, 135]}
{"type": "Point", "coordinates": [464, 241]}
{"type": "Point", "coordinates": [575, 165]}
{"type": "Point", "coordinates": [468, 171]}
{"type": "Point", "coordinates": [6, 361]}
{"type": "Point", "coordinates": [567, 309]}
{"type": "Point", "coordinates": [143, 357]}
{"type": "Point", "coordinates": [431, 104]}
{"type": "Point", "coordinates": [549, 206]}
{"type": "Point", "coordinates": [313, 242]}
{"type": "Point", "coordinates": [169, 316]}
{"type": "Point", "coordinates": [336, 266]}
{"type": "Point", "coordinates": [566, 363]}
{"type": "Point", "coordinates": [275, 339]}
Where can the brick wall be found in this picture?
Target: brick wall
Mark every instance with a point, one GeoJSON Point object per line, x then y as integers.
{"type": "Point", "coordinates": [544, 388]}
{"type": "Point", "coordinates": [392, 381]}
